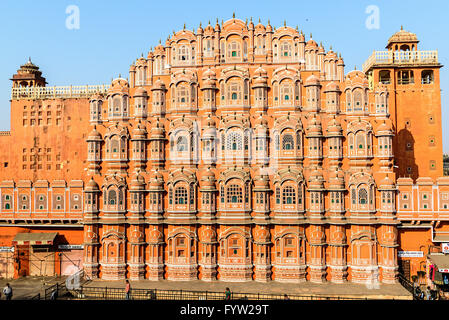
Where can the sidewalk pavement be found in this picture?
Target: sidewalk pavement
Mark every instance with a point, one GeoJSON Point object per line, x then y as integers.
{"type": "Point", "coordinates": [25, 288]}
{"type": "Point", "coordinates": [348, 290]}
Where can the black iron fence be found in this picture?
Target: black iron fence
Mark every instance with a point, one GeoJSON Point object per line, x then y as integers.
{"type": "Point", "coordinates": [407, 284]}
{"type": "Point", "coordinates": [105, 293]}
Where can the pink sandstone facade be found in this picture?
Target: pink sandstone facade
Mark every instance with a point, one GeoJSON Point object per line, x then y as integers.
{"type": "Point", "coordinates": [238, 152]}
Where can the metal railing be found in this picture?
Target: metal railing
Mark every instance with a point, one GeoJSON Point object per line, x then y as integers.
{"type": "Point", "coordinates": [400, 57]}
{"type": "Point", "coordinates": [407, 284]}
{"type": "Point", "coordinates": [105, 293]}
{"type": "Point", "coordinates": [36, 297]}
{"type": "Point", "coordinates": [57, 92]}
{"type": "Point", "coordinates": [59, 289]}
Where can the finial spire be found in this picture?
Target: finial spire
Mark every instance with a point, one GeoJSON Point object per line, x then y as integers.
{"type": "Point", "coordinates": [233, 15]}
{"type": "Point", "coordinates": [402, 28]}
{"type": "Point", "coordinates": [285, 23]}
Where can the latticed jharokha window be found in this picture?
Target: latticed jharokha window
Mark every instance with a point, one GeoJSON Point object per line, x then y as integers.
{"type": "Point", "coordinates": [285, 49]}
{"type": "Point", "coordinates": [183, 53]}
{"type": "Point", "coordinates": [180, 195]}
{"type": "Point", "coordinates": [234, 194]}
{"type": "Point", "coordinates": [363, 196]}
{"type": "Point", "coordinates": [181, 144]}
{"type": "Point", "coordinates": [288, 195]}
{"type": "Point", "coordinates": [287, 142]}
{"type": "Point", "coordinates": [234, 141]}
{"type": "Point", "coordinates": [112, 197]}
{"type": "Point", "coordinates": [234, 50]}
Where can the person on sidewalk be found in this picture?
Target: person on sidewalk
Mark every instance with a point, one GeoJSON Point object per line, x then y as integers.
{"type": "Point", "coordinates": [7, 291]}
{"type": "Point", "coordinates": [227, 294]}
{"type": "Point", "coordinates": [127, 290]}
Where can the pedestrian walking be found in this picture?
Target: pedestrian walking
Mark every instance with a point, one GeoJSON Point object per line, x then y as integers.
{"type": "Point", "coordinates": [428, 294]}
{"type": "Point", "coordinates": [127, 290]}
{"type": "Point", "coordinates": [7, 291]}
{"type": "Point", "coordinates": [227, 294]}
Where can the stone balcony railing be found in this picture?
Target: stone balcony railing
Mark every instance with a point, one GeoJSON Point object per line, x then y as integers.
{"type": "Point", "coordinates": [57, 92]}
{"type": "Point", "coordinates": [400, 57]}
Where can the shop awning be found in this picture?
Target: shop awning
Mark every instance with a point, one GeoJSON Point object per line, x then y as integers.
{"type": "Point", "coordinates": [34, 238]}
{"type": "Point", "coordinates": [440, 260]}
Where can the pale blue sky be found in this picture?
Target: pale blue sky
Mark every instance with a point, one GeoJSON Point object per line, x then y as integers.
{"type": "Point", "coordinates": [113, 34]}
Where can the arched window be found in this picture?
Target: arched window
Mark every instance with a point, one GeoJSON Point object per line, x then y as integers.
{"type": "Point", "coordinates": [288, 195]}
{"type": "Point", "coordinates": [286, 49]}
{"type": "Point", "coordinates": [180, 195]}
{"type": "Point", "coordinates": [112, 197]}
{"type": "Point", "coordinates": [234, 194]}
{"type": "Point", "coordinates": [182, 92]}
{"type": "Point", "coordinates": [287, 142]}
{"type": "Point", "coordinates": [384, 76]}
{"type": "Point", "coordinates": [234, 141]}
{"type": "Point", "coordinates": [286, 93]}
{"type": "Point", "coordinates": [427, 76]}
{"type": "Point", "coordinates": [234, 50]}
{"type": "Point", "coordinates": [363, 196]}
{"type": "Point", "coordinates": [360, 137]}
{"type": "Point", "coordinates": [234, 93]}
{"type": "Point", "coordinates": [116, 105]}
{"type": "Point", "coordinates": [183, 53]}
{"type": "Point", "coordinates": [358, 100]}
{"type": "Point", "coordinates": [348, 101]}
{"type": "Point", "coordinates": [181, 144]}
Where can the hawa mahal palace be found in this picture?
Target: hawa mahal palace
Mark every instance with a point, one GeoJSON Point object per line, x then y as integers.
{"type": "Point", "coordinates": [236, 152]}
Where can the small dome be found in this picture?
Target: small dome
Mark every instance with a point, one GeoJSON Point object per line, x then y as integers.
{"type": "Point", "coordinates": [141, 62]}
{"type": "Point", "coordinates": [94, 135]}
{"type": "Point", "coordinates": [159, 50]}
{"type": "Point", "coordinates": [336, 180]}
{"type": "Point", "coordinates": [334, 128]}
{"type": "Point", "coordinates": [260, 72]}
{"type": "Point", "coordinates": [158, 85]}
{"type": "Point", "coordinates": [209, 74]}
{"type": "Point", "coordinates": [137, 183]}
{"type": "Point", "coordinates": [331, 55]}
{"type": "Point", "coordinates": [402, 36]}
{"type": "Point", "coordinates": [156, 181]}
{"type": "Point", "coordinates": [118, 85]}
{"type": "Point", "coordinates": [140, 92]}
{"type": "Point", "coordinates": [387, 184]}
{"type": "Point", "coordinates": [314, 126]}
{"type": "Point", "coordinates": [311, 44]}
{"type": "Point", "coordinates": [92, 185]}
{"type": "Point", "coordinates": [157, 129]}
{"type": "Point", "coordinates": [385, 129]}
{"type": "Point", "coordinates": [316, 179]}
{"type": "Point", "coordinates": [209, 29]}
{"type": "Point", "coordinates": [332, 86]}
{"type": "Point", "coordinates": [313, 80]}
{"type": "Point", "coordinates": [139, 131]}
